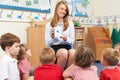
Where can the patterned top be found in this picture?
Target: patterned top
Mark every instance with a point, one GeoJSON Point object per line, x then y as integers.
{"type": "Point", "coordinates": [24, 67]}
{"type": "Point", "coordinates": [78, 73]}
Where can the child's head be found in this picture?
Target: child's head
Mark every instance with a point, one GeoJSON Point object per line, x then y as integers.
{"type": "Point", "coordinates": [10, 43]}
{"type": "Point", "coordinates": [47, 55]}
{"type": "Point", "coordinates": [110, 57]}
{"type": "Point", "coordinates": [24, 52]}
{"type": "Point", "coordinates": [84, 56]}
{"type": "Point", "coordinates": [117, 47]}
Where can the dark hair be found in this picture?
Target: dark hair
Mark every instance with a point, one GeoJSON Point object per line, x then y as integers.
{"type": "Point", "coordinates": [84, 56]}
{"type": "Point", "coordinates": [65, 19]}
{"type": "Point", "coordinates": [22, 51]}
{"type": "Point", "coordinates": [8, 39]}
{"type": "Point", "coordinates": [47, 55]}
{"type": "Point", "coordinates": [111, 56]}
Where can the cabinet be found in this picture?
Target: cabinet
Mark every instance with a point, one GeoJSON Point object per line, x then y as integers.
{"type": "Point", "coordinates": [35, 43]}
{"type": "Point", "coordinates": [98, 40]}
{"type": "Point", "coordinates": [79, 36]}
{"type": "Point", "coordinates": [36, 40]}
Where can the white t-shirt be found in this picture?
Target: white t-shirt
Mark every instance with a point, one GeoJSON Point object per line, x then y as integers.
{"type": "Point", "coordinates": [8, 68]}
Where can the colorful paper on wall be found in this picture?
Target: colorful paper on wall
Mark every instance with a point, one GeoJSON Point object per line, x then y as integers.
{"type": "Point", "coordinates": [36, 1]}
{"type": "Point", "coordinates": [16, 1]}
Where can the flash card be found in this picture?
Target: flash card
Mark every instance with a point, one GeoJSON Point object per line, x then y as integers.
{"type": "Point", "coordinates": [58, 32]}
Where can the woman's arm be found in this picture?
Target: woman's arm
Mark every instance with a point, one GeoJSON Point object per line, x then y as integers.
{"type": "Point", "coordinates": [48, 37]}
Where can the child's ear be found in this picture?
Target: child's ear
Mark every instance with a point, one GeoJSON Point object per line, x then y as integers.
{"type": "Point", "coordinates": [7, 48]}
{"type": "Point", "coordinates": [54, 59]}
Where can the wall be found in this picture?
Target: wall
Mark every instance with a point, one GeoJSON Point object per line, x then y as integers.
{"type": "Point", "coordinates": [19, 28]}
{"type": "Point", "coordinates": [106, 7]}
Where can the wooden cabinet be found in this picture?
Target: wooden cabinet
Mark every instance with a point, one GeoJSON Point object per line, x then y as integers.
{"type": "Point", "coordinates": [79, 36]}
{"type": "Point", "coordinates": [98, 40]}
{"type": "Point", "coordinates": [36, 40]}
{"type": "Point", "coordinates": [35, 43]}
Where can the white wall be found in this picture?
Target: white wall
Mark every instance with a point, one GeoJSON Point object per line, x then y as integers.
{"type": "Point", "coordinates": [106, 7]}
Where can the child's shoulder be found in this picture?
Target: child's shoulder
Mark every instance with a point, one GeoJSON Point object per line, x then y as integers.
{"type": "Point", "coordinates": [6, 58]}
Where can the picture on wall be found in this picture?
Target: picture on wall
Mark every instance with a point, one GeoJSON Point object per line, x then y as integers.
{"type": "Point", "coordinates": [80, 8]}
{"type": "Point", "coordinates": [26, 5]}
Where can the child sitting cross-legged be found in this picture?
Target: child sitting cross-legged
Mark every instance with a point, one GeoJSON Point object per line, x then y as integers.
{"type": "Point", "coordinates": [48, 70]}
{"type": "Point", "coordinates": [82, 68]}
{"type": "Point", "coordinates": [23, 63]}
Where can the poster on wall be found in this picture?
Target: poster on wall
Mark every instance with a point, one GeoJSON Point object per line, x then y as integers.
{"type": "Point", "coordinates": [80, 8]}
{"type": "Point", "coordinates": [26, 5]}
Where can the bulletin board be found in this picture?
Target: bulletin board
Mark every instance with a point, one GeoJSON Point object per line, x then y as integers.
{"type": "Point", "coordinates": [26, 5]}
{"type": "Point", "coordinates": [80, 8]}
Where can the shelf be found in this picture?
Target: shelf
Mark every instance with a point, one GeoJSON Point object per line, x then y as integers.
{"type": "Point", "coordinates": [79, 39]}
{"type": "Point", "coordinates": [79, 36]}
{"type": "Point", "coordinates": [79, 27]}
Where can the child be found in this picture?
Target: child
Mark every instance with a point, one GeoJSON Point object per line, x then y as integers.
{"type": "Point", "coordinates": [48, 70]}
{"type": "Point", "coordinates": [109, 60]}
{"type": "Point", "coordinates": [117, 48]}
{"type": "Point", "coordinates": [8, 64]}
{"type": "Point", "coordinates": [82, 69]}
{"type": "Point", "coordinates": [23, 63]}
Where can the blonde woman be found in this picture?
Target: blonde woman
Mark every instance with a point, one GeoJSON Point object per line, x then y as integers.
{"type": "Point", "coordinates": [62, 43]}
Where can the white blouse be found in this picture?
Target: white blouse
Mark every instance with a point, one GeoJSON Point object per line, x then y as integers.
{"type": "Point", "coordinates": [69, 32]}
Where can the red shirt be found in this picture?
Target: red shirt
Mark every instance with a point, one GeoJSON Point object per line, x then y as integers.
{"type": "Point", "coordinates": [110, 74]}
{"type": "Point", "coordinates": [48, 72]}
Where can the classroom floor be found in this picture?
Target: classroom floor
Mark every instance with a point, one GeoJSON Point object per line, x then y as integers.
{"type": "Point", "coordinates": [99, 66]}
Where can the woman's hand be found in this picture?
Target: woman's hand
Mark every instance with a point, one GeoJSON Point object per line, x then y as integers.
{"type": "Point", "coordinates": [64, 37]}
{"type": "Point", "coordinates": [52, 32]}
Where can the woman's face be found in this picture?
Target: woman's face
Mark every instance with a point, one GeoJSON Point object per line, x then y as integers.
{"type": "Point", "coordinates": [61, 11]}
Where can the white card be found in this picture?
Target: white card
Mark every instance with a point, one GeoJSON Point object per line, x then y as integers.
{"type": "Point", "coordinates": [58, 31]}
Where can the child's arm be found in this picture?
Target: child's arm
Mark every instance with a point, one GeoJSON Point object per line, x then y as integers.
{"type": "Point", "coordinates": [66, 72]}
{"type": "Point", "coordinates": [68, 79]}
{"type": "Point", "coordinates": [25, 76]}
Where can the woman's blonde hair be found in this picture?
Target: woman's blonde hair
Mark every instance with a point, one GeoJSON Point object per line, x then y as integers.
{"type": "Point", "coordinates": [65, 19]}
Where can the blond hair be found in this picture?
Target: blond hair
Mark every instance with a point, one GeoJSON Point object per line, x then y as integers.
{"type": "Point", "coordinates": [111, 56]}
{"type": "Point", "coordinates": [47, 55]}
{"type": "Point", "coordinates": [117, 46]}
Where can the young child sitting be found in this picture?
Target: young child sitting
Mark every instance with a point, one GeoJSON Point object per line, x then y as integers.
{"type": "Point", "coordinates": [23, 63]}
{"type": "Point", "coordinates": [48, 70]}
{"type": "Point", "coordinates": [82, 69]}
{"type": "Point", "coordinates": [8, 63]}
{"type": "Point", "coordinates": [109, 60]}
{"type": "Point", "coordinates": [117, 48]}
